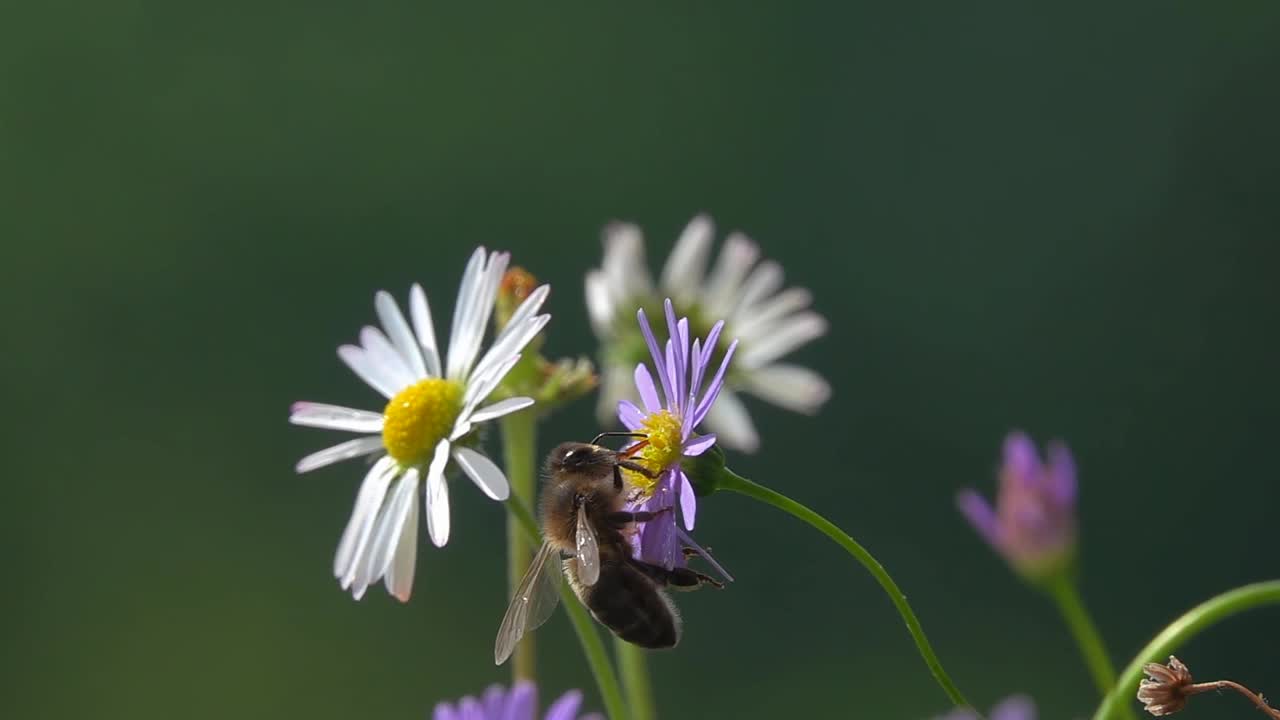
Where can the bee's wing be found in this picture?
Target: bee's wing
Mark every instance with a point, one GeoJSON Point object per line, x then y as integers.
{"type": "Point", "coordinates": [588, 550]}
{"type": "Point", "coordinates": [533, 602]}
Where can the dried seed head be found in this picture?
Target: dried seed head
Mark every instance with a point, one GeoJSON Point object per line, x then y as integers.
{"type": "Point", "coordinates": [1164, 690]}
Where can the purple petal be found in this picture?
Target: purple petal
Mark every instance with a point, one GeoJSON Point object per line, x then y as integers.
{"type": "Point", "coordinates": [978, 512]}
{"type": "Point", "coordinates": [1021, 462]}
{"type": "Point", "coordinates": [695, 379]}
{"type": "Point", "coordinates": [655, 352]}
{"type": "Point", "coordinates": [522, 702]}
{"type": "Point", "coordinates": [648, 393]}
{"type": "Point", "coordinates": [1018, 707]}
{"type": "Point", "coordinates": [713, 390]}
{"type": "Point", "coordinates": [494, 700]}
{"type": "Point", "coordinates": [629, 414]}
{"type": "Point", "coordinates": [470, 708]}
{"type": "Point", "coordinates": [673, 380]}
{"type": "Point", "coordinates": [1062, 474]}
{"type": "Point", "coordinates": [699, 445]}
{"type": "Point", "coordinates": [444, 711]}
{"type": "Point", "coordinates": [688, 541]}
{"type": "Point", "coordinates": [688, 501]}
{"type": "Point", "coordinates": [566, 708]}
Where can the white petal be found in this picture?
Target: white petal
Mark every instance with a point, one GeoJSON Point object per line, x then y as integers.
{"type": "Point", "coordinates": [725, 282]}
{"type": "Point", "coordinates": [615, 385]}
{"type": "Point", "coordinates": [460, 429]}
{"type": "Point", "coordinates": [487, 476]}
{"type": "Point", "coordinates": [682, 274]}
{"type": "Point", "coordinates": [527, 309]}
{"type": "Point", "coordinates": [380, 351]}
{"type": "Point", "coordinates": [425, 329]}
{"type": "Point", "coordinates": [760, 284]}
{"type": "Point", "coordinates": [500, 408]}
{"type": "Point", "coordinates": [599, 304]}
{"type": "Point", "coordinates": [335, 417]}
{"type": "Point", "coordinates": [472, 329]}
{"type": "Point", "coordinates": [398, 331]}
{"type": "Point", "coordinates": [789, 386]}
{"type": "Point", "coordinates": [337, 453]}
{"type": "Point", "coordinates": [387, 532]}
{"type": "Point", "coordinates": [371, 508]}
{"type": "Point", "coordinates": [762, 319]}
{"type": "Point", "coordinates": [625, 268]}
{"type": "Point", "coordinates": [463, 308]}
{"type": "Point", "coordinates": [480, 386]}
{"type": "Point", "coordinates": [374, 375]}
{"type": "Point", "coordinates": [364, 511]}
{"type": "Point", "coordinates": [437, 499]}
{"type": "Point", "coordinates": [799, 330]}
{"type": "Point", "coordinates": [399, 579]}
{"type": "Point", "coordinates": [732, 424]}
{"type": "Point", "coordinates": [511, 343]}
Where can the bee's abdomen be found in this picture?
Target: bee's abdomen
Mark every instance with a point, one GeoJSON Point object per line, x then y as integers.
{"type": "Point", "coordinates": [633, 608]}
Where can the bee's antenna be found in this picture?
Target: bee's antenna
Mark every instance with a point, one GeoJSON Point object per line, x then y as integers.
{"type": "Point", "coordinates": [604, 435]}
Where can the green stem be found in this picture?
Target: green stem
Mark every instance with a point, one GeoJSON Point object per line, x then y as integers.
{"type": "Point", "coordinates": [1066, 594]}
{"type": "Point", "coordinates": [736, 483]}
{"type": "Point", "coordinates": [1195, 621]}
{"type": "Point", "coordinates": [520, 452]}
{"type": "Point", "coordinates": [592, 647]}
{"type": "Point", "coordinates": [634, 667]}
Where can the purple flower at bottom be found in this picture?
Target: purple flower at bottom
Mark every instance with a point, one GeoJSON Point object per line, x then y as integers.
{"type": "Point", "coordinates": [518, 703]}
{"type": "Point", "coordinates": [668, 425]}
{"type": "Point", "coordinates": [1033, 524]}
{"type": "Point", "coordinates": [1017, 707]}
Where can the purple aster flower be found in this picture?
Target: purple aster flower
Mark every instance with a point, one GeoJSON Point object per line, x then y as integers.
{"type": "Point", "coordinates": [518, 703]}
{"type": "Point", "coordinates": [1017, 707]}
{"type": "Point", "coordinates": [1034, 522]}
{"type": "Point", "coordinates": [669, 425]}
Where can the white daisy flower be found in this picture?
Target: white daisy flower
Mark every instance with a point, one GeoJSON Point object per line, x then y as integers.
{"type": "Point", "coordinates": [747, 293]}
{"type": "Point", "coordinates": [428, 422]}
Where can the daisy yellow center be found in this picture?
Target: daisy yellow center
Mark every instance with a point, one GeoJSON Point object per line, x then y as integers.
{"type": "Point", "coordinates": [663, 450]}
{"type": "Point", "coordinates": [419, 417]}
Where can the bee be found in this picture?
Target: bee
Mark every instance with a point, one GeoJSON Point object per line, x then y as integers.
{"type": "Point", "coordinates": [585, 525]}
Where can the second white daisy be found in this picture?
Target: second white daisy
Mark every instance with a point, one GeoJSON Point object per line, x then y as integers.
{"type": "Point", "coordinates": [427, 425]}
{"type": "Point", "coordinates": [746, 292]}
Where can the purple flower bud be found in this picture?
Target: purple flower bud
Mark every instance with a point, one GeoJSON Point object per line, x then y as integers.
{"type": "Point", "coordinates": [1033, 524]}
{"type": "Point", "coordinates": [518, 703]}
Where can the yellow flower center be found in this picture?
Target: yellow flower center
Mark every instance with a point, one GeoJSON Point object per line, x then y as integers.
{"type": "Point", "coordinates": [419, 417]}
{"type": "Point", "coordinates": [663, 450]}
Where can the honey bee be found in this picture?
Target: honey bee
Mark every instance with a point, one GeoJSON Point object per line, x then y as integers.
{"type": "Point", "coordinates": [585, 525]}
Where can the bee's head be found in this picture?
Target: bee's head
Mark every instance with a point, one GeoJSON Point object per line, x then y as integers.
{"type": "Point", "coordinates": [576, 457]}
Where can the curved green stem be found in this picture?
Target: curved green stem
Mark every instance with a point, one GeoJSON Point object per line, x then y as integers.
{"type": "Point", "coordinates": [592, 647]}
{"type": "Point", "coordinates": [736, 483]}
{"type": "Point", "coordinates": [520, 453]}
{"type": "Point", "coordinates": [1196, 620]}
{"type": "Point", "coordinates": [633, 665]}
{"type": "Point", "coordinates": [1066, 594]}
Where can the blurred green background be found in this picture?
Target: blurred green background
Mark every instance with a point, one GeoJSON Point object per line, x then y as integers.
{"type": "Point", "coordinates": [1061, 218]}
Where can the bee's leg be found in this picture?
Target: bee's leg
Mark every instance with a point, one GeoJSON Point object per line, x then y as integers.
{"type": "Point", "coordinates": [622, 517]}
{"type": "Point", "coordinates": [635, 467]}
{"type": "Point", "coordinates": [676, 578]}
{"type": "Point", "coordinates": [604, 435]}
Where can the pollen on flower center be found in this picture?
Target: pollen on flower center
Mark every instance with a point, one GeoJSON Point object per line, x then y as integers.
{"type": "Point", "coordinates": [418, 417]}
{"type": "Point", "coordinates": [663, 450]}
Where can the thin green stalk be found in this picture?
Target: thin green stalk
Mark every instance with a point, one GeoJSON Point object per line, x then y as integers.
{"type": "Point", "coordinates": [520, 452]}
{"type": "Point", "coordinates": [736, 483]}
{"type": "Point", "coordinates": [592, 647]}
{"type": "Point", "coordinates": [1066, 594]}
{"type": "Point", "coordinates": [633, 665]}
{"type": "Point", "coordinates": [1195, 621]}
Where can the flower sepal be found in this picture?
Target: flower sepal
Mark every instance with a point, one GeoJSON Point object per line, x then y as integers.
{"type": "Point", "coordinates": [707, 472]}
